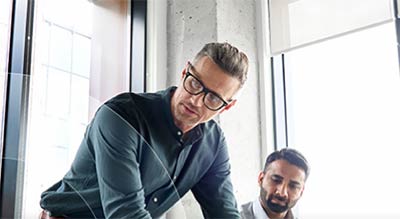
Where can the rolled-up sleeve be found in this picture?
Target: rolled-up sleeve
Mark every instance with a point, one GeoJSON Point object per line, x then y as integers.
{"type": "Point", "coordinates": [115, 147]}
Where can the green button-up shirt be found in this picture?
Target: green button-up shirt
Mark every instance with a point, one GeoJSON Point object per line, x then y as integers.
{"type": "Point", "coordinates": [135, 163]}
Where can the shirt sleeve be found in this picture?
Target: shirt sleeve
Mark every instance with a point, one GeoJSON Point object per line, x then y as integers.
{"type": "Point", "coordinates": [214, 191]}
{"type": "Point", "coordinates": [115, 148]}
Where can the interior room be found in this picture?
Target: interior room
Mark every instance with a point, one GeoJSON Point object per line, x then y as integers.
{"type": "Point", "coordinates": [323, 78]}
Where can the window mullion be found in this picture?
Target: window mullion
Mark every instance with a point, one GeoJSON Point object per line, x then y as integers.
{"type": "Point", "coordinates": [16, 107]}
{"type": "Point", "coordinates": [279, 100]}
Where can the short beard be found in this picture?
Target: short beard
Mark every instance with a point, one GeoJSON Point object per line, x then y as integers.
{"type": "Point", "coordinates": [276, 207]}
{"type": "Point", "coordinates": [272, 206]}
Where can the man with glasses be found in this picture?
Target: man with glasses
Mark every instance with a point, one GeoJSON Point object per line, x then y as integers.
{"type": "Point", "coordinates": [142, 152]}
{"type": "Point", "coordinates": [281, 186]}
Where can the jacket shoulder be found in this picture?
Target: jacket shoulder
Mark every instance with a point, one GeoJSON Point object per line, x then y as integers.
{"type": "Point", "coordinates": [246, 211]}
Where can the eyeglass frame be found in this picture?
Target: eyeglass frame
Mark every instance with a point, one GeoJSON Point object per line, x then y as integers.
{"type": "Point", "coordinates": [204, 89]}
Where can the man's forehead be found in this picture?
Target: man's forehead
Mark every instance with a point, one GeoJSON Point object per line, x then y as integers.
{"type": "Point", "coordinates": [286, 170]}
{"type": "Point", "coordinates": [205, 63]}
{"type": "Point", "coordinates": [204, 69]}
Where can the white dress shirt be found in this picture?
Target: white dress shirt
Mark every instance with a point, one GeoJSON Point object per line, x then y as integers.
{"type": "Point", "coordinates": [258, 210]}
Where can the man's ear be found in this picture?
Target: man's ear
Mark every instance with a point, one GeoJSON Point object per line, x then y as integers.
{"type": "Point", "coordinates": [184, 70]}
{"type": "Point", "coordinates": [232, 103]}
{"type": "Point", "coordinates": [260, 178]}
{"type": "Point", "coordinates": [183, 73]}
{"type": "Point", "coordinates": [301, 193]}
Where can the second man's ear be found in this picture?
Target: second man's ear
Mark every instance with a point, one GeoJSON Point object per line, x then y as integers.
{"type": "Point", "coordinates": [260, 177]}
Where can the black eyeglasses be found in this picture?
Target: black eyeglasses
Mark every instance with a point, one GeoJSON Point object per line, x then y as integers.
{"type": "Point", "coordinates": [194, 86]}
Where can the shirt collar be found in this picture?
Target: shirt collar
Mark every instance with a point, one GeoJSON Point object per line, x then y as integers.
{"type": "Point", "coordinates": [259, 212]}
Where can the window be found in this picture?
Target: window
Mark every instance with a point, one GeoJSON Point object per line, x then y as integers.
{"type": "Point", "coordinates": [75, 68]}
{"type": "Point", "coordinates": [343, 114]}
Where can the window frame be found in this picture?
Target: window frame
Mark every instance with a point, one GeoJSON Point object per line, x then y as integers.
{"type": "Point", "coordinates": [17, 94]}
{"type": "Point", "coordinates": [16, 105]}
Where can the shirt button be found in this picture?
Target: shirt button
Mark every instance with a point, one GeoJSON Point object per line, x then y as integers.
{"type": "Point", "coordinates": [179, 133]}
{"type": "Point", "coordinates": [175, 178]}
{"type": "Point", "coordinates": [155, 199]}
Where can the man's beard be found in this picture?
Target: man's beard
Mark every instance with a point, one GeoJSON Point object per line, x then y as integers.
{"type": "Point", "coordinates": [273, 206]}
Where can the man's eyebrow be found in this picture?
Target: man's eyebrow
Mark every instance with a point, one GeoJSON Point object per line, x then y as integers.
{"type": "Point", "coordinates": [195, 73]}
{"type": "Point", "coordinates": [295, 182]}
{"type": "Point", "coordinates": [277, 176]}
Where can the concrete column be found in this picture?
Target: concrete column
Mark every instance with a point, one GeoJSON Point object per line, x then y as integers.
{"type": "Point", "coordinates": [191, 24]}
{"type": "Point", "coordinates": [236, 21]}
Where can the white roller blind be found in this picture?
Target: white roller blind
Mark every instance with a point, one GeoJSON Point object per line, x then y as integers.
{"type": "Point", "coordinates": [294, 23]}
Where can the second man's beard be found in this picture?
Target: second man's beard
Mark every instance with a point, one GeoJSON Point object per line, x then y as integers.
{"type": "Point", "coordinates": [273, 206]}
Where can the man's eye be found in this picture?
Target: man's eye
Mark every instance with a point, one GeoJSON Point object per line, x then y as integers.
{"type": "Point", "coordinates": [195, 84]}
{"type": "Point", "coordinates": [276, 180]}
{"type": "Point", "coordinates": [294, 186]}
{"type": "Point", "coordinates": [212, 98]}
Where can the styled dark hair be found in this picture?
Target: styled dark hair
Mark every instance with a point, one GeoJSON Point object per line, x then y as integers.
{"type": "Point", "coordinates": [290, 155]}
{"type": "Point", "coordinates": [228, 58]}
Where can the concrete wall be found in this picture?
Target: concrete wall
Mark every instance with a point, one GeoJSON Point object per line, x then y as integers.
{"type": "Point", "coordinates": [237, 25]}
{"type": "Point", "coordinates": [191, 24]}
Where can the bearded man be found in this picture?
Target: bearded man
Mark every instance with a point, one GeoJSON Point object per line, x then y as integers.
{"type": "Point", "coordinates": [281, 186]}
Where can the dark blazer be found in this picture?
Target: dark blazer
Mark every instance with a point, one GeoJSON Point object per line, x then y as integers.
{"type": "Point", "coordinates": [247, 211]}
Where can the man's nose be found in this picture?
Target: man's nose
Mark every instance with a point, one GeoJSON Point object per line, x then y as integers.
{"type": "Point", "coordinates": [282, 191]}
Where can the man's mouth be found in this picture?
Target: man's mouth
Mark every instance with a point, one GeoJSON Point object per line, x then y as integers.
{"type": "Point", "coordinates": [278, 200]}
{"type": "Point", "coordinates": [189, 109]}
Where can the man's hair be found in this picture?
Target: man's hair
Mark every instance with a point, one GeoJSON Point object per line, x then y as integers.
{"type": "Point", "coordinates": [228, 58]}
{"type": "Point", "coordinates": [290, 155]}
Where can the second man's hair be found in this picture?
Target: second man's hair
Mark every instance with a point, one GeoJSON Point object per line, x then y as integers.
{"type": "Point", "coordinates": [290, 155]}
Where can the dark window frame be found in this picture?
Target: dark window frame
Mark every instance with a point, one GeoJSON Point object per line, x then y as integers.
{"type": "Point", "coordinates": [16, 105]}
{"type": "Point", "coordinates": [279, 101]}
{"type": "Point", "coordinates": [397, 23]}
{"type": "Point", "coordinates": [138, 46]}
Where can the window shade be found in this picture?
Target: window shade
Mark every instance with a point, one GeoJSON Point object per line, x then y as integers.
{"type": "Point", "coordinates": [295, 23]}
